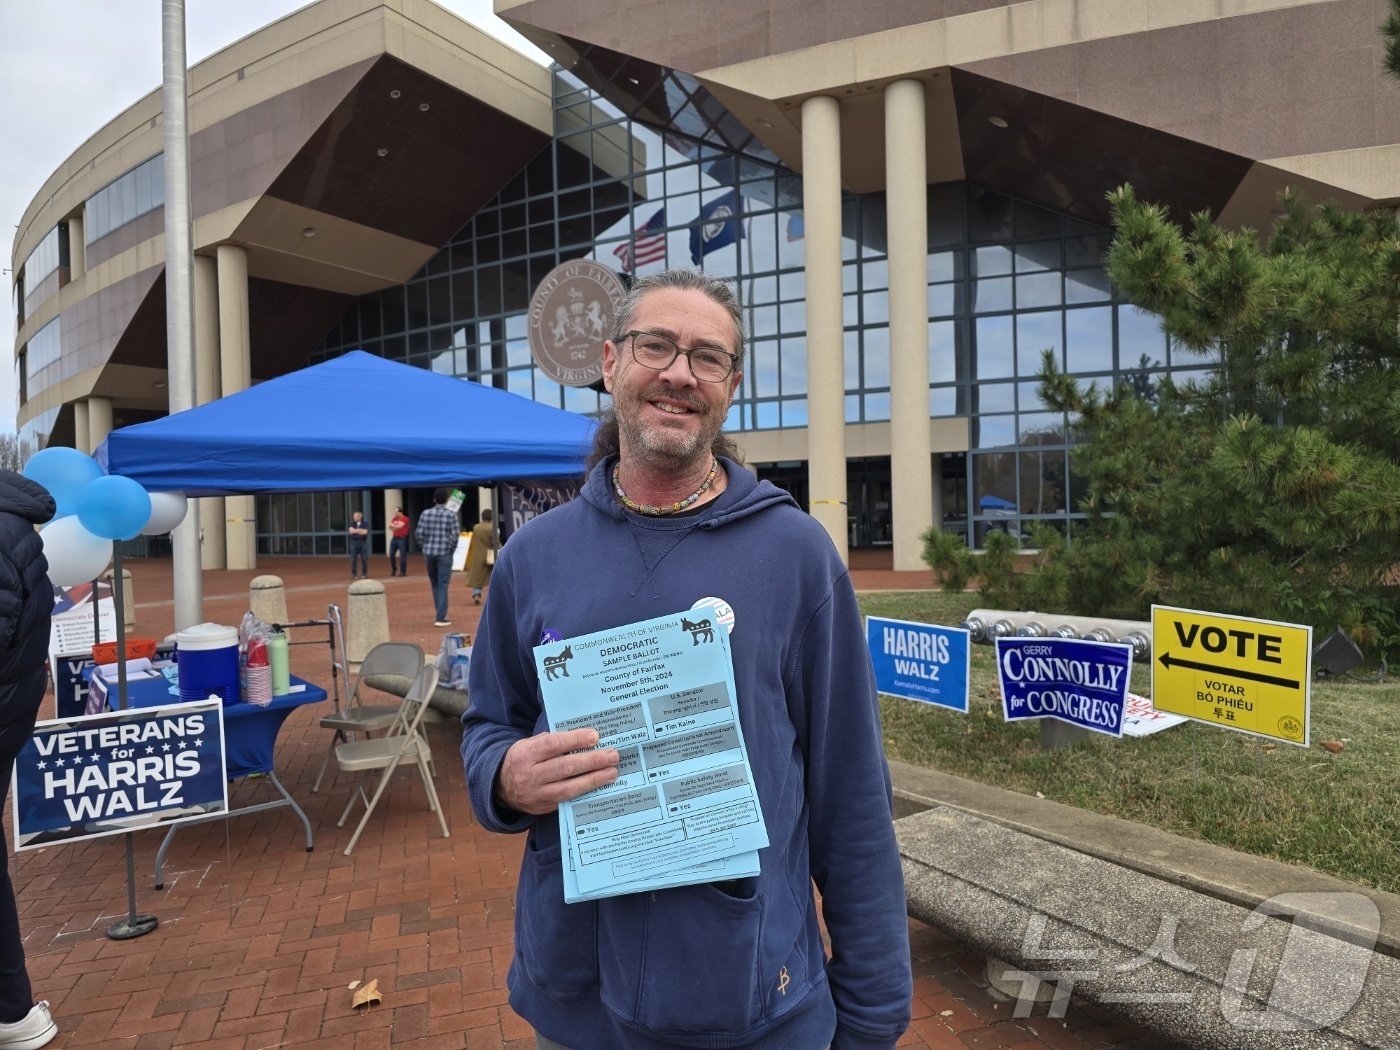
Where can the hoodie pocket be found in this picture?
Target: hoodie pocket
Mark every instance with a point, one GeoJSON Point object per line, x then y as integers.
{"type": "Point", "coordinates": [557, 943]}
{"type": "Point", "coordinates": [695, 968]}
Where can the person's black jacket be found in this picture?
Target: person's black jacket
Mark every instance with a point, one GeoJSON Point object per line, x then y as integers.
{"type": "Point", "coordinates": [26, 596]}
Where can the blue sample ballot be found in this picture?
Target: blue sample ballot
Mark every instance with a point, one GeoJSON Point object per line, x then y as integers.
{"type": "Point", "coordinates": [918, 661]}
{"type": "Point", "coordinates": [1079, 682]}
{"type": "Point", "coordinates": [95, 775]}
{"type": "Point", "coordinates": [684, 808]}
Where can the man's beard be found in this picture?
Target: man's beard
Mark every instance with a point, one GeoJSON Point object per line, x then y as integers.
{"type": "Point", "coordinates": [661, 447]}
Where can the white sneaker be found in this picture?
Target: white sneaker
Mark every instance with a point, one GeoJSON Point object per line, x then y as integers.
{"type": "Point", "coordinates": [30, 1032]}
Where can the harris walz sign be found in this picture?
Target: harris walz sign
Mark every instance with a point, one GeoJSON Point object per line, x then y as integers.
{"type": "Point", "coordinates": [97, 775]}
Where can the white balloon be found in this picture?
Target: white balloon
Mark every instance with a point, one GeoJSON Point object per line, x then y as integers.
{"type": "Point", "coordinates": [167, 511]}
{"type": "Point", "coordinates": [75, 555]}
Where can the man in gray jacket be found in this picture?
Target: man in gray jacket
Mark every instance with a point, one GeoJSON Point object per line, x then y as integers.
{"type": "Point", "coordinates": [26, 604]}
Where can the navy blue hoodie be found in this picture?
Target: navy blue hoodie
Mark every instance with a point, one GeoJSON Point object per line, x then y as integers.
{"type": "Point", "coordinates": [742, 964]}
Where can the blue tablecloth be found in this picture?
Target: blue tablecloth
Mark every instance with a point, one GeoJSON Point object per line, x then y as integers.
{"type": "Point", "coordinates": [250, 731]}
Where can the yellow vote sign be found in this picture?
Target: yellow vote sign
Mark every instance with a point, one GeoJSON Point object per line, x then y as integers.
{"type": "Point", "coordinates": [1249, 675]}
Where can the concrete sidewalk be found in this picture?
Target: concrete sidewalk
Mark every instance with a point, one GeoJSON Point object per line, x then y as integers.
{"type": "Point", "coordinates": [260, 940]}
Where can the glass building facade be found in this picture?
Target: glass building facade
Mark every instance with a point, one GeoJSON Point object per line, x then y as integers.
{"type": "Point", "coordinates": [1007, 281]}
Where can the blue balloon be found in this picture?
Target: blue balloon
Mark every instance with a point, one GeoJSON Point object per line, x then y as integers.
{"type": "Point", "coordinates": [65, 472]}
{"type": "Point", "coordinates": [114, 507]}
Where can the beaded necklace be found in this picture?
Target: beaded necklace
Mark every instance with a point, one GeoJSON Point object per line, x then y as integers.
{"type": "Point", "coordinates": [671, 508]}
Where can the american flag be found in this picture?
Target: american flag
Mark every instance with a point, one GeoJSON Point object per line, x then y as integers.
{"type": "Point", "coordinates": [649, 244]}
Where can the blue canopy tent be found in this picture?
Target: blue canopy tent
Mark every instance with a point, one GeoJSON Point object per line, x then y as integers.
{"type": "Point", "coordinates": [356, 421]}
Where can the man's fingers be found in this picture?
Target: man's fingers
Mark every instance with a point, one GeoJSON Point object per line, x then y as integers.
{"type": "Point", "coordinates": [550, 745]}
{"type": "Point", "coordinates": [581, 785]}
{"type": "Point", "coordinates": [579, 763]}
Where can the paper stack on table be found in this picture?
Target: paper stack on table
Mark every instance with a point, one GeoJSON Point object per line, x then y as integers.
{"type": "Point", "coordinates": [683, 809]}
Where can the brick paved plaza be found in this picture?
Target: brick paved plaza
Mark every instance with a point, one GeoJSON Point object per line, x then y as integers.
{"type": "Point", "coordinates": [259, 940]}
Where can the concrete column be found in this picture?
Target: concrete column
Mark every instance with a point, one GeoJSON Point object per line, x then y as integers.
{"type": "Point", "coordinates": [235, 360]}
{"type": "Point", "coordinates": [77, 248]}
{"type": "Point", "coordinates": [99, 413]}
{"type": "Point", "coordinates": [128, 595]}
{"type": "Point", "coordinates": [82, 437]}
{"type": "Point", "coordinates": [267, 599]}
{"type": "Point", "coordinates": [906, 211]}
{"type": "Point", "coordinates": [208, 386]}
{"type": "Point", "coordinates": [366, 621]}
{"type": "Point", "coordinates": [826, 413]}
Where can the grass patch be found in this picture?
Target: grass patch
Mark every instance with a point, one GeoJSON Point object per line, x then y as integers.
{"type": "Point", "coordinates": [1336, 813]}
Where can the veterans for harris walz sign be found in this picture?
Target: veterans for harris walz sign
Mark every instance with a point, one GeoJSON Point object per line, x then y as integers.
{"type": "Point", "coordinates": [98, 775]}
{"type": "Point", "coordinates": [1079, 682]}
{"type": "Point", "coordinates": [917, 661]}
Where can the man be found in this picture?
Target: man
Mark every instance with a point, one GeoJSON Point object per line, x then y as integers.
{"type": "Point", "coordinates": [437, 534]}
{"type": "Point", "coordinates": [359, 545]}
{"type": "Point", "coordinates": [26, 603]}
{"type": "Point", "coordinates": [668, 519]}
{"type": "Point", "coordinates": [398, 543]}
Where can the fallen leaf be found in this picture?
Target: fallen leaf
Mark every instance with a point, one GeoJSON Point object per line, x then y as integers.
{"type": "Point", "coordinates": [1270, 747]}
{"type": "Point", "coordinates": [1039, 795]}
{"type": "Point", "coordinates": [1331, 745]}
{"type": "Point", "coordinates": [367, 996]}
{"type": "Point", "coordinates": [945, 1013]}
{"type": "Point", "coordinates": [353, 985]}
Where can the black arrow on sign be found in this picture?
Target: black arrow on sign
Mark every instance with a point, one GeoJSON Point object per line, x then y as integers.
{"type": "Point", "coordinates": [1168, 661]}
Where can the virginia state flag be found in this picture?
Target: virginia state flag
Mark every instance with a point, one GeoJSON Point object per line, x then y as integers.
{"type": "Point", "coordinates": [718, 226]}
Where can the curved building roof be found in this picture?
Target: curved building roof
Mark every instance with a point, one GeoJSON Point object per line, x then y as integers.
{"type": "Point", "coordinates": [341, 146]}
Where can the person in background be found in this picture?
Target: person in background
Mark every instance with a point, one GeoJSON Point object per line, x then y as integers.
{"type": "Point", "coordinates": [437, 534]}
{"type": "Point", "coordinates": [26, 603]}
{"type": "Point", "coordinates": [668, 522]}
{"type": "Point", "coordinates": [398, 543]}
{"type": "Point", "coordinates": [481, 555]}
{"type": "Point", "coordinates": [359, 545]}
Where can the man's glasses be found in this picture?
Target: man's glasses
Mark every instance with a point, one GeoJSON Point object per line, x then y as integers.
{"type": "Point", "coordinates": [709, 364]}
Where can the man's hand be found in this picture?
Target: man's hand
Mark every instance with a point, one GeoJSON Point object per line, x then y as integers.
{"type": "Point", "coordinates": [539, 772]}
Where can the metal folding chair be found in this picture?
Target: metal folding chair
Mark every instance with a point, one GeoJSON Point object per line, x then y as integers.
{"type": "Point", "coordinates": [403, 743]}
{"type": "Point", "coordinates": [387, 658]}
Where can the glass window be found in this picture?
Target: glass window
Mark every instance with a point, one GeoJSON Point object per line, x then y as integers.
{"type": "Point", "coordinates": [996, 397]}
{"type": "Point", "coordinates": [1089, 339]}
{"type": "Point", "coordinates": [1141, 341]}
{"type": "Point", "coordinates": [945, 362]}
{"type": "Point", "coordinates": [763, 369]}
{"type": "Point", "coordinates": [992, 261]}
{"type": "Point", "coordinates": [992, 295]}
{"type": "Point", "coordinates": [877, 408]}
{"type": "Point", "coordinates": [877, 358]}
{"type": "Point", "coordinates": [945, 266]}
{"type": "Point", "coordinates": [1036, 333]}
{"type": "Point", "coordinates": [1087, 286]}
{"type": "Point", "coordinates": [793, 362]}
{"type": "Point", "coordinates": [1043, 481]}
{"type": "Point", "coordinates": [944, 300]}
{"type": "Point", "coordinates": [994, 348]}
{"type": "Point", "coordinates": [851, 360]}
{"type": "Point", "coordinates": [1037, 255]}
{"type": "Point", "coordinates": [1037, 289]}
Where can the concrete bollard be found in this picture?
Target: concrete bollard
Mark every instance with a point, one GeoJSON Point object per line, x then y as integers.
{"type": "Point", "coordinates": [128, 596]}
{"type": "Point", "coordinates": [367, 621]}
{"type": "Point", "coordinates": [268, 599]}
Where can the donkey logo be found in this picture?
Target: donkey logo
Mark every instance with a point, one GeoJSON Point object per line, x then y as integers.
{"type": "Point", "coordinates": [698, 631]}
{"type": "Point", "coordinates": [555, 666]}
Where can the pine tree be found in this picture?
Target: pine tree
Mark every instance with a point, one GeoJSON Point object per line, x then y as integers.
{"type": "Point", "coordinates": [1273, 489]}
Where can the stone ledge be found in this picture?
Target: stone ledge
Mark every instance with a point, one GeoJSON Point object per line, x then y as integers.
{"type": "Point", "coordinates": [1020, 898]}
{"type": "Point", "coordinates": [1237, 878]}
{"type": "Point", "coordinates": [448, 701]}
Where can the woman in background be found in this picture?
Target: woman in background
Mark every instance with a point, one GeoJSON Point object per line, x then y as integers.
{"type": "Point", "coordinates": [481, 555]}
